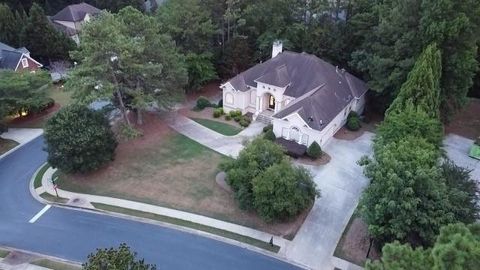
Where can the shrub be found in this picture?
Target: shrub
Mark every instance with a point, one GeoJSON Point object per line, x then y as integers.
{"type": "Point", "coordinates": [220, 103]}
{"type": "Point", "coordinates": [269, 135]}
{"type": "Point", "coordinates": [218, 112]}
{"type": "Point", "coordinates": [228, 117]}
{"type": "Point", "coordinates": [263, 179]}
{"type": "Point", "coordinates": [127, 132]}
{"type": "Point", "coordinates": [267, 128]}
{"type": "Point", "coordinates": [298, 191]}
{"type": "Point", "coordinates": [119, 258]}
{"type": "Point", "coordinates": [237, 118]}
{"type": "Point", "coordinates": [202, 103]}
{"type": "Point", "coordinates": [244, 121]}
{"type": "Point", "coordinates": [236, 113]}
{"type": "Point", "coordinates": [314, 151]}
{"type": "Point", "coordinates": [79, 140]}
{"type": "Point", "coordinates": [353, 121]}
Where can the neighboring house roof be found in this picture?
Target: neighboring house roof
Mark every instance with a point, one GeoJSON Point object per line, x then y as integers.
{"type": "Point", "coordinates": [62, 28]}
{"type": "Point", "coordinates": [75, 13]}
{"type": "Point", "coordinates": [321, 89]}
{"type": "Point", "coordinates": [10, 57]}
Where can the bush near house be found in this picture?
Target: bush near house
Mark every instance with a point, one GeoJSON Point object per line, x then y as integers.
{"type": "Point", "coordinates": [202, 103]}
{"type": "Point", "coordinates": [218, 112]}
{"type": "Point", "coordinates": [235, 114]}
{"type": "Point", "coordinates": [244, 121]}
{"type": "Point", "coordinates": [263, 179]}
{"type": "Point", "coordinates": [79, 140]}
{"type": "Point", "coordinates": [269, 135]}
{"type": "Point", "coordinates": [228, 117]}
{"type": "Point", "coordinates": [353, 121]}
{"type": "Point", "coordinates": [314, 151]}
{"type": "Point", "coordinates": [267, 128]}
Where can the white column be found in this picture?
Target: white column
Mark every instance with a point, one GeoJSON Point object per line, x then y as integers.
{"type": "Point", "coordinates": [278, 106]}
{"type": "Point", "coordinates": [258, 105]}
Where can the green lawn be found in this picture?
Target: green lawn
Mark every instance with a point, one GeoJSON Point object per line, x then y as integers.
{"type": "Point", "coordinates": [6, 145]}
{"type": "Point", "coordinates": [38, 178]}
{"type": "Point", "coordinates": [60, 96]}
{"type": "Point", "coordinates": [475, 151]}
{"type": "Point", "coordinates": [188, 224]}
{"type": "Point", "coordinates": [56, 265]}
{"type": "Point", "coordinates": [222, 128]}
{"type": "Point", "coordinates": [4, 253]}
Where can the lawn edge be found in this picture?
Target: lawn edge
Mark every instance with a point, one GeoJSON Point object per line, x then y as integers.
{"type": "Point", "coordinates": [41, 256]}
{"type": "Point", "coordinates": [278, 255]}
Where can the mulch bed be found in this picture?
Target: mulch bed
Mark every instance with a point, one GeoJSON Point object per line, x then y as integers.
{"type": "Point", "coordinates": [466, 123]}
{"type": "Point", "coordinates": [33, 118]}
{"type": "Point", "coordinates": [324, 159]}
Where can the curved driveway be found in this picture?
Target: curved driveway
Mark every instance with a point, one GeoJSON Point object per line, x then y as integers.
{"type": "Point", "coordinates": [72, 234]}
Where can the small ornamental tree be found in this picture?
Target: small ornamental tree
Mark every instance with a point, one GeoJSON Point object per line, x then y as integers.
{"type": "Point", "coordinates": [353, 121]}
{"type": "Point", "coordinates": [283, 191]}
{"type": "Point", "coordinates": [79, 140]}
{"type": "Point", "coordinates": [314, 151]}
{"type": "Point", "coordinates": [116, 259]}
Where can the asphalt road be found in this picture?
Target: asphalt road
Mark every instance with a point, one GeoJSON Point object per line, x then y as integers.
{"type": "Point", "coordinates": [72, 234]}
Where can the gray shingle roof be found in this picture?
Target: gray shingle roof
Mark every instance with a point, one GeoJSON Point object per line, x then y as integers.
{"type": "Point", "coordinates": [9, 57]}
{"type": "Point", "coordinates": [321, 89]}
{"type": "Point", "coordinates": [75, 13]}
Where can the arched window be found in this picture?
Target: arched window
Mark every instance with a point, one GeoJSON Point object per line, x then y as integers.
{"type": "Point", "coordinates": [228, 98]}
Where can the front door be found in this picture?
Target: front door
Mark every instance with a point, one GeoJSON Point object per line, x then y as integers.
{"type": "Point", "coordinates": [271, 103]}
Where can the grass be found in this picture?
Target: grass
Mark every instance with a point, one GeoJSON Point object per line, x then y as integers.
{"type": "Point", "coordinates": [475, 151]}
{"type": "Point", "coordinates": [60, 96]}
{"type": "Point", "coordinates": [37, 182]}
{"type": "Point", "coordinates": [222, 128]}
{"type": "Point", "coordinates": [55, 265]}
{"type": "Point", "coordinates": [6, 145]}
{"type": "Point", "coordinates": [4, 253]}
{"type": "Point", "coordinates": [188, 224]}
{"type": "Point", "coordinates": [51, 198]}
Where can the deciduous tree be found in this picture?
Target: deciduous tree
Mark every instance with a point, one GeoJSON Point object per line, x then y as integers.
{"type": "Point", "coordinates": [116, 259]}
{"type": "Point", "coordinates": [79, 140]}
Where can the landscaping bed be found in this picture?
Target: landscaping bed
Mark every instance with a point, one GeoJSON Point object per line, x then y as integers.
{"type": "Point", "coordinates": [168, 169]}
{"type": "Point", "coordinates": [354, 243]}
{"type": "Point", "coordinates": [6, 145]}
{"type": "Point", "coordinates": [466, 123]}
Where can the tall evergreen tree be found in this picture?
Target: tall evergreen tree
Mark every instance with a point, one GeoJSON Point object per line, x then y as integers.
{"type": "Point", "coordinates": [10, 28]}
{"type": "Point", "coordinates": [455, 26]}
{"type": "Point", "coordinates": [422, 88]}
{"type": "Point", "coordinates": [42, 40]}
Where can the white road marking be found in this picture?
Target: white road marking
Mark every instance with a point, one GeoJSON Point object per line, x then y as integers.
{"type": "Point", "coordinates": [39, 214]}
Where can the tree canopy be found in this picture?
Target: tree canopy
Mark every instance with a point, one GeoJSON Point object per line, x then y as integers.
{"type": "Point", "coordinates": [116, 259]}
{"type": "Point", "coordinates": [79, 140]}
{"type": "Point", "coordinates": [125, 57]}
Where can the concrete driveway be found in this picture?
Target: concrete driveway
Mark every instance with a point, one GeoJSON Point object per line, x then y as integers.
{"type": "Point", "coordinates": [341, 182]}
{"type": "Point", "coordinates": [457, 149]}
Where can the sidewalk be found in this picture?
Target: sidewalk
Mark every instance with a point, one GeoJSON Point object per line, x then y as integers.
{"type": "Point", "coordinates": [85, 200]}
{"type": "Point", "coordinates": [226, 145]}
{"type": "Point", "coordinates": [21, 136]}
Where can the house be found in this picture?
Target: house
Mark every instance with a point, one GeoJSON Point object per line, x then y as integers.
{"type": "Point", "coordinates": [17, 59]}
{"type": "Point", "coordinates": [71, 19]}
{"type": "Point", "coordinates": [305, 98]}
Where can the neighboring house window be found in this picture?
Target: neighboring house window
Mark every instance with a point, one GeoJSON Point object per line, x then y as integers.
{"type": "Point", "coordinates": [24, 62]}
{"type": "Point", "coordinates": [229, 98]}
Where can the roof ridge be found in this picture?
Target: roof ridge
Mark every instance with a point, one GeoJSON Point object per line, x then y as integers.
{"type": "Point", "coordinates": [301, 98]}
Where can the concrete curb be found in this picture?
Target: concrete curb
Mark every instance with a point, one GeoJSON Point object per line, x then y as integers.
{"type": "Point", "coordinates": [163, 224]}
{"type": "Point", "coordinates": [20, 145]}
{"type": "Point", "coordinates": [41, 256]}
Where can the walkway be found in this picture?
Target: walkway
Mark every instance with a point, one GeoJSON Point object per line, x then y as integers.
{"type": "Point", "coordinates": [226, 145]}
{"type": "Point", "coordinates": [341, 183]}
{"type": "Point", "coordinates": [85, 200]}
{"type": "Point", "coordinates": [457, 149]}
{"type": "Point", "coordinates": [21, 136]}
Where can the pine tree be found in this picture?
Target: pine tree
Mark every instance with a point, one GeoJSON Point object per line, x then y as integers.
{"type": "Point", "coordinates": [9, 29]}
{"type": "Point", "coordinates": [422, 89]}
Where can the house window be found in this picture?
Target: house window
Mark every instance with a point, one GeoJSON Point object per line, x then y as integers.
{"type": "Point", "coordinates": [295, 134]}
{"type": "Point", "coordinates": [24, 62]}
{"type": "Point", "coordinates": [229, 98]}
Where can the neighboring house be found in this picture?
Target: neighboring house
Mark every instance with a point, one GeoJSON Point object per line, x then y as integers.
{"type": "Point", "coordinates": [305, 98]}
{"type": "Point", "coordinates": [17, 59]}
{"type": "Point", "coordinates": [71, 19]}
